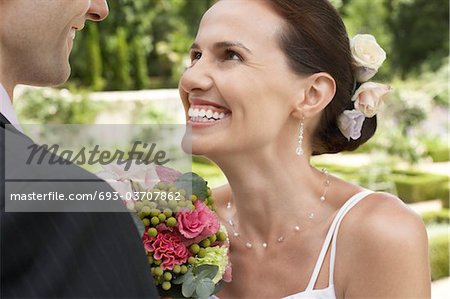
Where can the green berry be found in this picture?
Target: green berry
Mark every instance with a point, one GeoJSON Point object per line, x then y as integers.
{"type": "Point", "coordinates": [166, 285]}
{"type": "Point", "coordinates": [168, 212]}
{"type": "Point", "coordinates": [158, 271]}
{"type": "Point", "coordinates": [176, 269]}
{"type": "Point", "coordinates": [190, 206]}
{"type": "Point", "coordinates": [205, 243]}
{"type": "Point", "coordinates": [154, 221]}
{"type": "Point", "coordinates": [182, 192]}
{"type": "Point", "coordinates": [154, 212]}
{"type": "Point", "coordinates": [221, 236]}
{"type": "Point", "coordinates": [183, 269]}
{"type": "Point", "coordinates": [162, 217]}
{"type": "Point", "coordinates": [212, 238]}
{"type": "Point", "coordinates": [152, 205]}
{"type": "Point", "coordinates": [194, 248]}
{"type": "Point", "coordinates": [141, 215]}
{"type": "Point", "coordinates": [167, 276]}
{"type": "Point", "coordinates": [173, 189]}
{"type": "Point", "coordinates": [146, 210]}
{"type": "Point", "coordinates": [150, 260]}
{"type": "Point", "coordinates": [146, 222]}
{"type": "Point", "coordinates": [152, 232]}
{"type": "Point", "coordinates": [201, 253]}
{"type": "Point", "coordinates": [172, 205]}
{"type": "Point", "coordinates": [138, 206]}
{"type": "Point", "coordinates": [161, 186]}
{"type": "Point", "coordinates": [157, 262]}
{"type": "Point", "coordinates": [171, 222]}
{"type": "Point", "coordinates": [191, 260]}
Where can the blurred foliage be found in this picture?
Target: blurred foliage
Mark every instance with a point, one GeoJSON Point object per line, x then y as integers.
{"type": "Point", "coordinates": [159, 32]}
{"type": "Point", "coordinates": [439, 257]}
{"type": "Point", "coordinates": [52, 106]}
{"type": "Point", "coordinates": [436, 217]}
{"type": "Point", "coordinates": [140, 40]}
{"type": "Point", "coordinates": [413, 125]}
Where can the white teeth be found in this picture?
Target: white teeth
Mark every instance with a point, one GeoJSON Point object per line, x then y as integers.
{"type": "Point", "coordinates": [202, 115]}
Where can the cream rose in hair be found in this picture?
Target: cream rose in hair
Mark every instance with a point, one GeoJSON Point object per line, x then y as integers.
{"type": "Point", "coordinates": [369, 97]}
{"type": "Point", "coordinates": [368, 56]}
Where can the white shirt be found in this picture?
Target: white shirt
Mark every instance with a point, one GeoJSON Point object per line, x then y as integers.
{"type": "Point", "coordinates": [6, 108]}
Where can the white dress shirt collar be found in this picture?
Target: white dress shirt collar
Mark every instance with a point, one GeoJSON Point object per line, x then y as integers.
{"type": "Point", "coordinates": [6, 108]}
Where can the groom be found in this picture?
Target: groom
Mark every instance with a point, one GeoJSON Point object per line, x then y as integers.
{"type": "Point", "coordinates": [57, 255]}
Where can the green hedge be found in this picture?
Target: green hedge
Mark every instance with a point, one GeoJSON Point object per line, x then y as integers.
{"type": "Point", "coordinates": [439, 257]}
{"type": "Point", "coordinates": [416, 186]}
{"type": "Point", "coordinates": [433, 217]}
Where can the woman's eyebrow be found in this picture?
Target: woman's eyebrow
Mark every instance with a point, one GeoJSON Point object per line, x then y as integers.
{"type": "Point", "coordinates": [228, 44]}
{"type": "Point", "coordinates": [224, 44]}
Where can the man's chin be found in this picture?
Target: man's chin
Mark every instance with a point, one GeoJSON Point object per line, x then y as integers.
{"type": "Point", "coordinates": [53, 78]}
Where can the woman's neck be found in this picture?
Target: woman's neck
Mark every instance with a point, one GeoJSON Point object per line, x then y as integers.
{"type": "Point", "coordinates": [270, 197]}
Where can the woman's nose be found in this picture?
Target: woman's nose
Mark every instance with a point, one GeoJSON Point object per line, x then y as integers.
{"type": "Point", "coordinates": [197, 77]}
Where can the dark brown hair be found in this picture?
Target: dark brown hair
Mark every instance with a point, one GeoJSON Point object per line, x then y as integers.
{"type": "Point", "coordinates": [314, 40]}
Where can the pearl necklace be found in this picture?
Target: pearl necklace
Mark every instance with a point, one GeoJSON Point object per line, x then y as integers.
{"type": "Point", "coordinates": [295, 229]}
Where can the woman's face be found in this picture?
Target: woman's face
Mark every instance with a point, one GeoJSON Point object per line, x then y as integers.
{"type": "Point", "coordinates": [239, 92]}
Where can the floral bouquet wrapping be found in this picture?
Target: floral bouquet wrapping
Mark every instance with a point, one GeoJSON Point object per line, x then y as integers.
{"type": "Point", "coordinates": [187, 248]}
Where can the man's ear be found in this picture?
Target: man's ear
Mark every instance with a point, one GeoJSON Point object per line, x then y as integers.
{"type": "Point", "coordinates": [320, 90]}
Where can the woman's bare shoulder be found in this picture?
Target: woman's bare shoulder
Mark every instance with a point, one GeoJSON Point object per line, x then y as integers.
{"type": "Point", "coordinates": [383, 247]}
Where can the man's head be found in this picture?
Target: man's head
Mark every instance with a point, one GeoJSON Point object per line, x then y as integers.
{"type": "Point", "coordinates": [36, 38]}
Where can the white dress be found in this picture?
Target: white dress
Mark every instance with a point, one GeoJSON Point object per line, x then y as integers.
{"type": "Point", "coordinates": [328, 292]}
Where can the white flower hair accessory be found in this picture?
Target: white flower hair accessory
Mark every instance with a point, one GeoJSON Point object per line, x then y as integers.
{"type": "Point", "coordinates": [368, 57]}
{"type": "Point", "coordinates": [368, 98]}
{"type": "Point", "coordinates": [350, 123]}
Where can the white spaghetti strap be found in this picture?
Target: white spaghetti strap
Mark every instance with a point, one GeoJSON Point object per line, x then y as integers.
{"type": "Point", "coordinates": [357, 198]}
{"type": "Point", "coordinates": [342, 211]}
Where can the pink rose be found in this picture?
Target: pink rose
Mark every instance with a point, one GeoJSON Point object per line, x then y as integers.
{"type": "Point", "coordinates": [199, 224]}
{"type": "Point", "coordinates": [168, 247]}
{"type": "Point", "coordinates": [369, 97]}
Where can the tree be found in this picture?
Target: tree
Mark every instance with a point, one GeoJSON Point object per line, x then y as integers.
{"type": "Point", "coordinates": [140, 69]}
{"type": "Point", "coordinates": [94, 59]}
{"type": "Point", "coordinates": [420, 34]}
{"type": "Point", "coordinates": [121, 65]}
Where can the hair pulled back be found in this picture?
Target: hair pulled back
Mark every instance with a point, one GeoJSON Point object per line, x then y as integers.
{"type": "Point", "coordinates": [314, 39]}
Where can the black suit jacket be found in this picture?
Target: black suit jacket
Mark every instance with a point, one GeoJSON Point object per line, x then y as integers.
{"type": "Point", "coordinates": [69, 255]}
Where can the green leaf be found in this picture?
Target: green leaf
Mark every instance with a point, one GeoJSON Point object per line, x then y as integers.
{"type": "Point", "coordinates": [205, 288]}
{"type": "Point", "coordinates": [189, 286]}
{"type": "Point", "coordinates": [136, 187]}
{"type": "Point", "coordinates": [180, 279]}
{"type": "Point", "coordinates": [193, 184]}
{"type": "Point", "coordinates": [205, 271]}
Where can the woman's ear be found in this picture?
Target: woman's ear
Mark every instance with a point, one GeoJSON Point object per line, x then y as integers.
{"type": "Point", "coordinates": [319, 91]}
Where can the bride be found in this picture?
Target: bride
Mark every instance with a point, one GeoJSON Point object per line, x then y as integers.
{"type": "Point", "coordinates": [271, 83]}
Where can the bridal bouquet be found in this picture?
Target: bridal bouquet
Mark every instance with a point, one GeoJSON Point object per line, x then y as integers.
{"type": "Point", "coordinates": [187, 248]}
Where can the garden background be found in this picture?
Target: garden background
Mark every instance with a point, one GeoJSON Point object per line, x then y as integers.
{"type": "Point", "coordinates": [125, 70]}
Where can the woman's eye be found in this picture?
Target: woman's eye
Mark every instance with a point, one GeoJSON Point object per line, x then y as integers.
{"type": "Point", "coordinates": [232, 55]}
{"type": "Point", "coordinates": [195, 56]}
